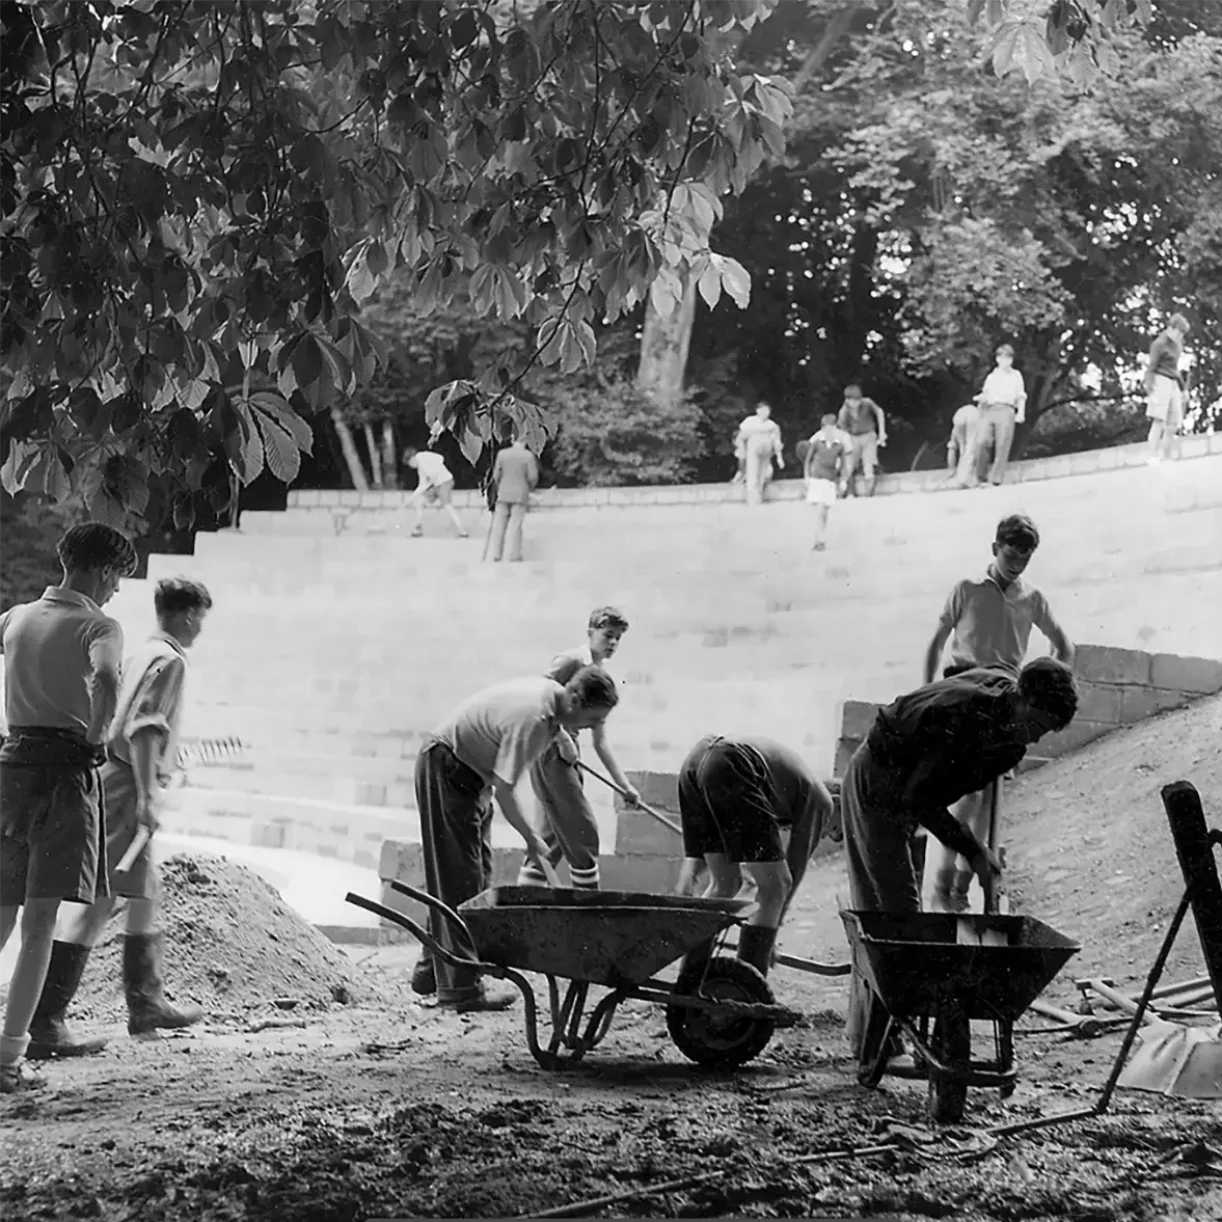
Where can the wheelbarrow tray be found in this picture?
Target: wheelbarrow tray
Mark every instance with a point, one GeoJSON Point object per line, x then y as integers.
{"type": "Point", "coordinates": [912, 961]}
{"type": "Point", "coordinates": [611, 938]}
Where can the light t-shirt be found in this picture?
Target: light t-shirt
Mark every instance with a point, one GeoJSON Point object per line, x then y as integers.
{"type": "Point", "coordinates": [432, 469]}
{"type": "Point", "coordinates": [151, 696]}
{"type": "Point", "coordinates": [52, 650]}
{"type": "Point", "coordinates": [992, 626]}
{"type": "Point", "coordinates": [1003, 388]}
{"type": "Point", "coordinates": [500, 731]}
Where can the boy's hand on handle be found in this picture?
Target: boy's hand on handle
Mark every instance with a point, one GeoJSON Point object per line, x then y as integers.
{"type": "Point", "coordinates": [632, 795]}
{"type": "Point", "coordinates": [146, 814]}
{"type": "Point", "coordinates": [987, 867]}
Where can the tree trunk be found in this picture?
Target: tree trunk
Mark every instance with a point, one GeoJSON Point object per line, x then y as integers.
{"type": "Point", "coordinates": [375, 455]}
{"type": "Point", "coordinates": [390, 465]}
{"type": "Point", "coordinates": [347, 445]}
{"type": "Point", "coordinates": [664, 347]}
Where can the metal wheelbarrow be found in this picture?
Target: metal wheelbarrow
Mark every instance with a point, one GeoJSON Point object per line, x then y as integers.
{"type": "Point", "coordinates": [720, 1012]}
{"type": "Point", "coordinates": [923, 982]}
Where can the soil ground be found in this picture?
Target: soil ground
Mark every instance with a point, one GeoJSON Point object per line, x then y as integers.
{"type": "Point", "coordinates": [385, 1106]}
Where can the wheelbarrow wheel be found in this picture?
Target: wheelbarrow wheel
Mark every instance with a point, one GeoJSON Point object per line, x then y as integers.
{"type": "Point", "coordinates": [726, 1040]}
{"type": "Point", "coordinates": [952, 1045]}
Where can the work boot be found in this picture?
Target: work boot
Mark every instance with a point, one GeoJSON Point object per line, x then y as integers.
{"type": "Point", "coordinates": [49, 1034]}
{"type": "Point", "coordinates": [755, 946]}
{"type": "Point", "coordinates": [147, 1007]}
{"type": "Point", "coordinates": [486, 1000]}
{"type": "Point", "coordinates": [424, 979]}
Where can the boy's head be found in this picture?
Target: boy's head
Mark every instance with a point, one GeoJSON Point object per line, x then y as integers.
{"type": "Point", "coordinates": [181, 605]}
{"type": "Point", "coordinates": [409, 455]}
{"type": "Point", "coordinates": [1177, 322]}
{"type": "Point", "coordinates": [1014, 544]}
{"type": "Point", "coordinates": [852, 392]}
{"type": "Point", "coordinates": [763, 410]}
{"type": "Point", "coordinates": [95, 558]}
{"type": "Point", "coordinates": [1047, 698]}
{"type": "Point", "coordinates": [1005, 356]}
{"type": "Point", "coordinates": [828, 420]}
{"type": "Point", "coordinates": [589, 696]}
{"type": "Point", "coordinates": [605, 628]}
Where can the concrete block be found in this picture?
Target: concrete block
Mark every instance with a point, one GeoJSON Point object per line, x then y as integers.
{"type": "Point", "coordinates": [1108, 460]}
{"type": "Point", "coordinates": [267, 835]}
{"type": "Point", "coordinates": [857, 718]}
{"type": "Point", "coordinates": [1142, 702]}
{"type": "Point", "coordinates": [1084, 463]}
{"type": "Point", "coordinates": [370, 795]}
{"type": "Point", "coordinates": [659, 789]}
{"type": "Point", "coordinates": [1077, 734]}
{"type": "Point", "coordinates": [651, 875]}
{"type": "Point", "coordinates": [1105, 664]}
{"type": "Point", "coordinates": [1099, 701]}
{"type": "Point", "coordinates": [1198, 675]}
{"type": "Point", "coordinates": [639, 833]}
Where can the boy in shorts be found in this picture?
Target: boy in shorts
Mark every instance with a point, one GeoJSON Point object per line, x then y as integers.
{"type": "Point", "coordinates": [61, 686]}
{"type": "Point", "coordinates": [739, 799]}
{"type": "Point", "coordinates": [822, 465]}
{"type": "Point", "coordinates": [436, 486]}
{"type": "Point", "coordinates": [988, 622]}
{"type": "Point", "coordinates": [142, 746]}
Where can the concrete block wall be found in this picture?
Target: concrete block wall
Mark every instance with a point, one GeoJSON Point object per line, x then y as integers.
{"type": "Point", "coordinates": [1118, 687]}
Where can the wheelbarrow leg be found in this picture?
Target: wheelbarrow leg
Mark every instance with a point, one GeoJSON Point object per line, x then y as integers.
{"type": "Point", "coordinates": [952, 1045]}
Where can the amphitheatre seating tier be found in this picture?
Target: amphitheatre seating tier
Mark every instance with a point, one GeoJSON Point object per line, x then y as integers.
{"type": "Point", "coordinates": [337, 642]}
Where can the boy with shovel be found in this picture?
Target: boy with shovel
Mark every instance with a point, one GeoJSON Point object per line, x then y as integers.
{"type": "Point", "coordinates": [988, 622]}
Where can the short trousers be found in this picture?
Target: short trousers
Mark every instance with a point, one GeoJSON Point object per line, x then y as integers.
{"type": "Point", "coordinates": [52, 837]}
{"type": "Point", "coordinates": [439, 494]}
{"type": "Point", "coordinates": [863, 450]}
{"type": "Point", "coordinates": [723, 806]}
{"type": "Point", "coordinates": [1165, 401]}
{"type": "Point", "coordinates": [119, 787]}
{"type": "Point", "coordinates": [821, 492]}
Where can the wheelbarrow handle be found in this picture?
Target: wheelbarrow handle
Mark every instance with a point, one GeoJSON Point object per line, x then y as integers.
{"type": "Point", "coordinates": [419, 933]}
{"type": "Point", "coordinates": [429, 901]}
{"type": "Point", "coordinates": [623, 793]}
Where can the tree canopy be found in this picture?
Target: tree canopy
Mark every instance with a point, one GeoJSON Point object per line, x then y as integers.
{"type": "Point", "coordinates": [199, 202]}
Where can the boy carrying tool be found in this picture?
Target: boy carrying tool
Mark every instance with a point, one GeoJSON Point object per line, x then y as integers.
{"type": "Point", "coordinates": [61, 687]}
{"type": "Point", "coordinates": [436, 486]}
{"type": "Point", "coordinates": [484, 746]}
{"type": "Point", "coordinates": [566, 823]}
{"type": "Point", "coordinates": [988, 622]}
{"type": "Point", "coordinates": [142, 750]}
{"type": "Point", "coordinates": [739, 798]}
{"type": "Point", "coordinates": [925, 751]}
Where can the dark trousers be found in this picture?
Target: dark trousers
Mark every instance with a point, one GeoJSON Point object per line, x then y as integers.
{"type": "Point", "coordinates": [456, 833]}
{"type": "Point", "coordinates": [566, 823]}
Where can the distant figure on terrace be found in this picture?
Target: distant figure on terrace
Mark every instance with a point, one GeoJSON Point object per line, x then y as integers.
{"type": "Point", "coordinates": [436, 486]}
{"type": "Point", "coordinates": [758, 440]}
{"type": "Point", "coordinates": [515, 474]}
{"type": "Point", "coordinates": [961, 449]}
{"type": "Point", "coordinates": [1165, 388]}
{"type": "Point", "coordinates": [823, 461]}
{"type": "Point", "coordinates": [863, 420]}
{"type": "Point", "coordinates": [1003, 406]}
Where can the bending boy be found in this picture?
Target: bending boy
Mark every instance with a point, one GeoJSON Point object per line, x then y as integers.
{"type": "Point", "coordinates": [436, 486]}
{"type": "Point", "coordinates": [738, 797]}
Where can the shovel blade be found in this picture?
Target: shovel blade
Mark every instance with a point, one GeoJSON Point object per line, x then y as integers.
{"type": "Point", "coordinates": [1182, 1062]}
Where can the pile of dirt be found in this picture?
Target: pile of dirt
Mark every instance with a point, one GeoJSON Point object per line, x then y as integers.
{"type": "Point", "coordinates": [1089, 849]}
{"type": "Point", "coordinates": [232, 944]}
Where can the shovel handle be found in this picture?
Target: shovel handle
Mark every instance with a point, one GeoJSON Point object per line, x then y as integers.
{"type": "Point", "coordinates": [623, 793]}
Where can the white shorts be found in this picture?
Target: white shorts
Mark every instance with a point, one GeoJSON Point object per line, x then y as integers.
{"type": "Point", "coordinates": [820, 492]}
{"type": "Point", "coordinates": [1165, 401]}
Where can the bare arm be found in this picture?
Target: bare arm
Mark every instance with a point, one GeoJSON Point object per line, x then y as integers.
{"type": "Point", "coordinates": [804, 839]}
{"type": "Point", "coordinates": [104, 699]}
{"type": "Point", "coordinates": [688, 875]}
{"type": "Point", "coordinates": [882, 425]}
{"type": "Point", "coordinates": [1058, 638]}
{"type": "Point", "coordinates": [602, 748]}
{"type": "Point", "coordinates": [933, 655]}
{"type": "Point", "coordinates": [507, 800]}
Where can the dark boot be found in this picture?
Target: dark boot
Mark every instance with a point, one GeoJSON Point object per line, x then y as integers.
{"type": "Point", "coordinates": [49, 1034]}
{"type": "Point", "coordinates": [424, 979]}
{"type": "Point", "coordinates": [147, 1007]}
{"type": "Point", "coordinates": [755, 946]}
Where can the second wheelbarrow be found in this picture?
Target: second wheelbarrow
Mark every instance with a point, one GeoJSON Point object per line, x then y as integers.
{"type": "Point", "coordinates": [720, 1012]}
{"type": "Point", "coordinates": [923, 981]}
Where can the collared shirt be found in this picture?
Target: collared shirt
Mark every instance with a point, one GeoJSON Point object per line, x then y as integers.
{"type": "Point", "coordinates": [500, 731]}
{"type": "Point", "coordinates": [151, 696]}
{"type": "Point", "coordinates": [1003, 388]}
{"type": "Point", "coordinates": [565, 665]}
{"type": "Point", "coordinates": [1165, 354]}
{"type": "Point", "coordinates": [827, 448]}
{"type": "Point", "coordinates": [941, 742]}
{"type": "Point", "coordinates": [992, 625]}
{"type": "Point", "coordinates": [432, 469]}
{"type": "Point", "coordinates": [859, 417]}
{"type": "Point", "coordinates": [52, 649]}
{"type": "Point", "coordinates": [515, 472]}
